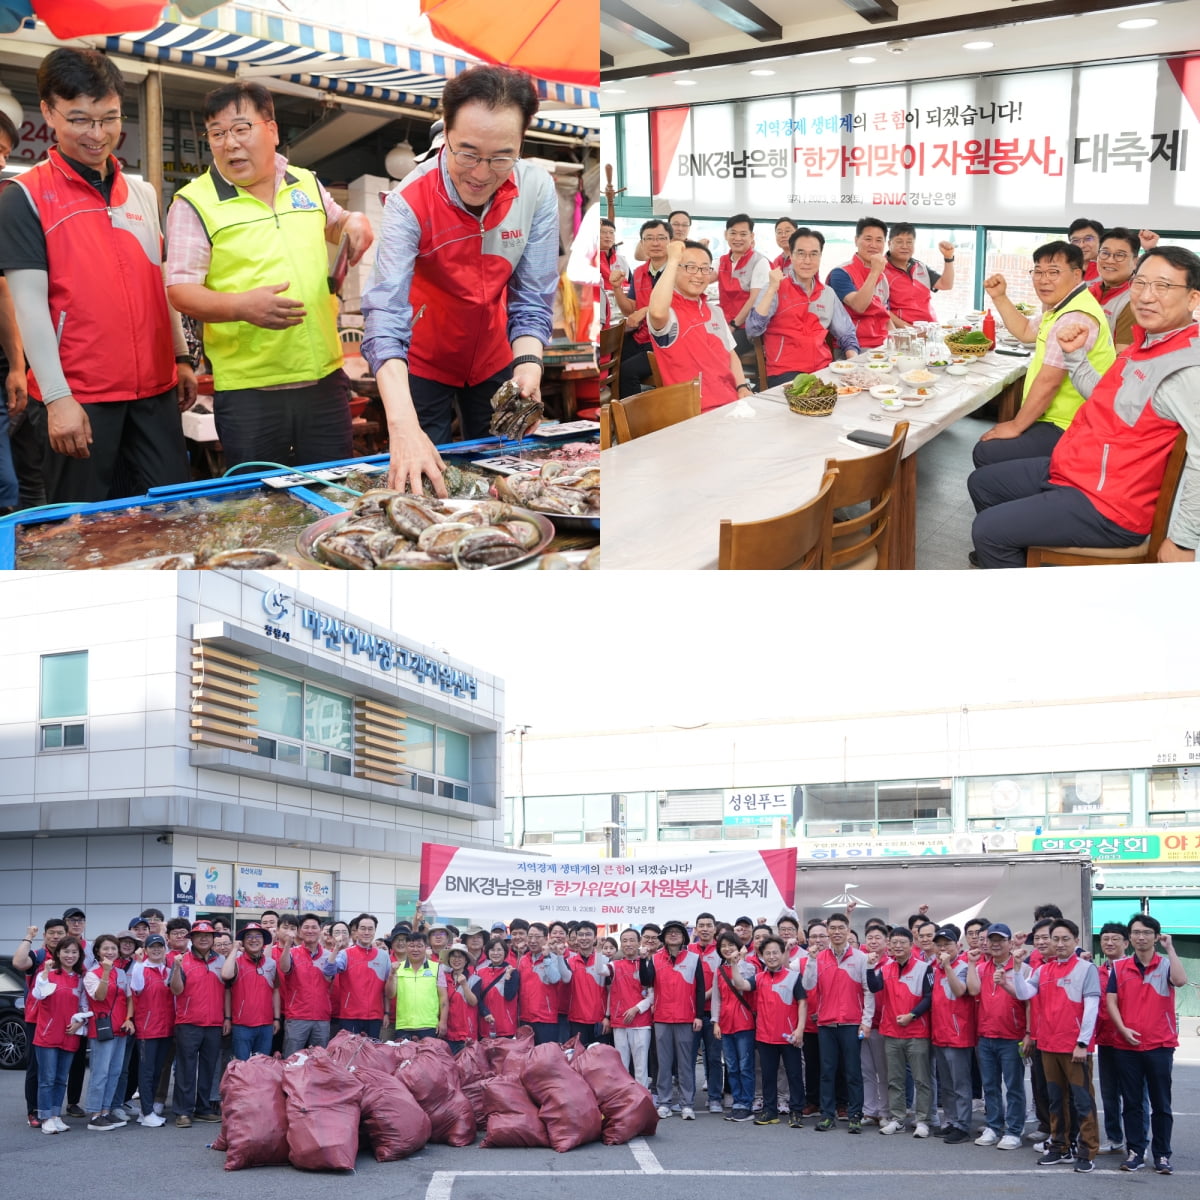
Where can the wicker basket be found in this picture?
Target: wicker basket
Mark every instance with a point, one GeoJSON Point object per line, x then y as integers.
{"type": "Point", "coordinates": [968, 349]}
{"type": "Point", "coordinates": [808, 406]}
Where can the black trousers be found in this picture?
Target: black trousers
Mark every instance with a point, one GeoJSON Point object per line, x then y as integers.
{"type": "Point", "coordinates": [294, 426]}
{"type": "Point", "coordinates": [435, 404]}
{"type": "Point", "coordinates": [30, 449]}
{"type": "Point", "coordinates": [635, 368]}
{"type": "Point", "coordinates": [136, 445]}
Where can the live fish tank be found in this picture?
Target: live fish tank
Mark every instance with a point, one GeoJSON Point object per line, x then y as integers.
{"type": "Point", "coordinates": [206, 522]}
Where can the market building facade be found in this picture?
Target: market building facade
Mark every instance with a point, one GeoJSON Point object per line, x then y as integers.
{"type": "Point", "coordinates": [220, 744]}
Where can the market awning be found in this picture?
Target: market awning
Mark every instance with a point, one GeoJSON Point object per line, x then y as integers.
{"type": "Point", "coordinates": [316, 56]}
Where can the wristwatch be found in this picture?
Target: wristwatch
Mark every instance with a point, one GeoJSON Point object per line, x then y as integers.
{"type": "Point", "coordinates": [746, 386]}
{"type": "Point", "coordinates": [521, 359]}
{"type": "Point", "coordinates": [948, 260]}
{"type": "Point", "coordinates": [189, 359]}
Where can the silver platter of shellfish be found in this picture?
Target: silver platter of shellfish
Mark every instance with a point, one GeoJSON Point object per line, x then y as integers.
{"type": "Point", "coordinates": [395, 531]}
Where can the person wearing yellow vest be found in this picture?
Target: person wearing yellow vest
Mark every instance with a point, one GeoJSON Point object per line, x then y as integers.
{"type": "Point", "coordinates": [419, 988]}
{"type": "Point", "coordinates": [246, 255]}
{"type": "Point", "coordinates": [1049, 400]}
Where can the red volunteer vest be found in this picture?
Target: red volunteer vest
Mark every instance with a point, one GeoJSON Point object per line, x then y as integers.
{"type": "Point", "coordinates": [796, 337]}
{"type": "Point", "coordinates": [840, 987]}
{"type": "Point", "coordinates": [735, 1011]}
{"type": "Point", "coordinates": [774, 1008]}
{"type": "Point", "coordinates": [872, 325]}
{"type": "Point", "coordinates": [252, 998]}
{"type": "Point", "coordinates": [901, 993]}
{"type": "Point", "coordinates": [733, 282]}
{"type": "Point", "coordinates": [1112, 300]}
{"type": "Point", "coordinates": [626, 992]}
{"type": "Point", "coordinates": [462, 1021]}
{"type": "Point", "coordinates": [1115, 458]}
{"type": "Point", "coordinates": [505, 1011]}
{"type": "Point", "coordinates": [112, 1006]}
{"type": "Point", "coordinates": [202, 1001]}
{"type": "Point", "coordinates": [910, 292]}
{"type": "Point", "coordinates": [461, 274]}
{"type": "Point", "coordinates": [1000, 1014]}
{"type": "Point", "coordinates": [587, 999]}
{"type": "Point", "coordinates": [953, 1018]}
{"type": "Point", "coordinates": [1106, 1031]}
{"type": "Point", "coordinates": [643, 285]}
{"type": "Point", "coordinates": [1060, 1016]}
{"type": "Point", "coordinates": [698, 351]}
{"type": "Point", "coordinates": [54, 1013]}
{"type": "Point", "coordinates": [538, 1000]}
{"type": "Point", "coordinates": [153, 1006]}
{"type": "Point", "coordinates": [305, 990]}
{"type": "Point", "coordinates": [1146, 1001]}
{"type": "Point", "coordinates": [675, 986]}
{"type": "Point", "coordinates": [1091, 271]}
{"type": "Point", "coordinates": [107, 300]}
{"type": "Point", "coordinates": [359, 988]}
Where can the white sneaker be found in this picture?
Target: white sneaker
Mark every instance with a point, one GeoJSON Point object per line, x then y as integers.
{"type": "Point", "coordinates": [922, 1130]}
{"type": "Point", "coordinates": [119, 1114]}
{"type": "Point", "coordinates": [61, 1125]}
{"type": "Point", "coordinates": [158, 1109]}
{"type": "Point", "coordinates": [153, 1121]}
{"type": "Point", "coordinates": [891, 1127]}
{"type": "Point", "coordinates": [664, 1111]}
{"type": "Point", "coordinates": [48, 1126]}
{"type": "Point", "coordinates": [1111, 1148]}
{"type": "Point", "coordinates": [715, 1107]}
{"type": "Point", "coordinates": [989, 1137]}
{"type": "Point", "coordinates": [688, 1114]}
{"type": "Point", "coordinates": [1009, 1142]}
{"type": "Point", "coordinates": [1040, 1147]}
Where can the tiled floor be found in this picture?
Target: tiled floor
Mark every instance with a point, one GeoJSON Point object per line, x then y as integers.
{"type": "Point", "coordinates": [944, 511]}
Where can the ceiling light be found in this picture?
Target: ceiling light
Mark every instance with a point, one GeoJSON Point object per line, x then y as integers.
{"type": "Point", "coordinates": [762, 71]}
{"type": "Point", "coordinates": [978, 45]}
{"type": "Point", "coordinates": [686, 82]}
{"type": "Point", "coordinates": [859, 59]}
{"type": "Point", "coordinates": [1137, 23]}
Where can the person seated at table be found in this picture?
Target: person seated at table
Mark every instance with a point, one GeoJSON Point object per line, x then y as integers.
{"type": "Point", "coordinates": [690, 337]}
{"type": "Point", "coordinates": [1100, 483]}
{"type": "Point", "coordinates": [1048, 399]}
{"type": "Point", "coordinates": [862, 286]}
{"type": "Point", "coordinates": [681, 229]}
{"type": "Point", "coordinates": [1087, 235]}
{"type": "Point", "coordinates": [610, 257]}
{"type": "Point", "coordinates": [911, 283]}
{"type": "Point", "coordinates": [784, 228]}
{"type": "Point", "coordinates": [796, 314]}
{"type": "Point", "coordinates": [1116, 262]}
{"type": "Point", "coordinates": [741, 276]}
{"type": "Point", "coordinates": [633, 299]}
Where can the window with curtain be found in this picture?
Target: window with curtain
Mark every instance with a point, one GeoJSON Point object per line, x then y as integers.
{"type": "Point", "coordinates": [63, 701]}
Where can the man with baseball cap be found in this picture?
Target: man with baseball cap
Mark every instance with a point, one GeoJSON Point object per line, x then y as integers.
{"type": "Point", "coordinates": [254, 994]}
{"type": "Point", "coordinates": [199, 992]}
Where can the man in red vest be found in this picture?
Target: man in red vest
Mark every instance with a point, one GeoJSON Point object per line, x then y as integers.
{"type": "Point", "coordinates": [861, 284]}
{"type": "Point", "coordinates": [741, 275]}
{"type": "Point", "coordinates": [1100, 485]}
{"type": "Point", "coordinates": [110, 362]}
{"type": "Point", "coordinates": [911, 283]}
{"type": "Point", "coordinates": [691, 339]}
{"type": "Point", "coordinates": [200, 1020]}
{"type": "Point", "coordinates": [632, 295]}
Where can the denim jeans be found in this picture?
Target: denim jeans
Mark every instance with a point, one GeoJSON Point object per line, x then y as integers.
{"type": "Point", "coordinates": [1000, 1063]}
{"type": "Point", "coordinates": [251, 1039]}
{"type": "Point", "coordinates": [54, 1066]}
{"type": "Point", "coordinates": [1139, 1070]}
{"type": "Point", "coordinates": [840, 1051]}
{"type": "Point", "coordinates": [676, 1044]}
{"type": "Point", "coordinates": [713, 1063]}
{"type": "Point", "coordinates": [106, 1060]}
{"type": "Point", "coordinates": [738, 1049]}
{"type": "Point", "coordinates": [152, 1054]}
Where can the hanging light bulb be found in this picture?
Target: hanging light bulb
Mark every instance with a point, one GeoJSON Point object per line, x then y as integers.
{"type": "Point", "coordinates": [10, 106]}
{"type": "Point", "coordinates": [400, 160]}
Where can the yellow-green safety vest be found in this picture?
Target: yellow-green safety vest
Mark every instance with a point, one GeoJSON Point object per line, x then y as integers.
{"type": "Point", "coordinates": [417, 1004]}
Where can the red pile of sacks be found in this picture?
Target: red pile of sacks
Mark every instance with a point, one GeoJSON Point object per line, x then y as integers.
{"type": "Point", "coordinates": [312, 1110]}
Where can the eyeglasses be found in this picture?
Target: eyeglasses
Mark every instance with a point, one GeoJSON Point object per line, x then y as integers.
{"type": "Point", "coordinates": [655, 237]}
{"type": "Point", "coordinates": [1087, 240]}
{"type": "Point", "coordinates": [85, 124]}
{"type": "Point", "coordinates": [1115, 256]}
{"type": "Point", "coordinates": [695, 269]}
{"type": "Point", "coordinates": [1160, 287]}
{"type": "Point", "coordinates": [239, 130]}
{"type": "Point", "coordinates": [806, 254]}
{"type": "Point", "coordinates": [497, 164]}
{"type": "Point", "coordinates": [1050, 275]}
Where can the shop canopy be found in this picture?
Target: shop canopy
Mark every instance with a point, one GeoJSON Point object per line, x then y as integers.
{"type": "Point", "coordinates": [242, 42]}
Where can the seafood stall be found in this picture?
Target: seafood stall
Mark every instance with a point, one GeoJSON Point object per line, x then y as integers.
{"type": "Point", "coordinates": [531, 503]}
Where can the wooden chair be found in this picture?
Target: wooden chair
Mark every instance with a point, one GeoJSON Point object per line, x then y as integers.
{"type": "Point", "coordinates": [608, 359]}
{"type": "Point", "coordinates": [655, 374]}
{"type": "Point", "coordinates": [799, 540]}
{"type": "Point", "coordinates": [760, 364]}
{"type": "Point", "coordinates": [861, 543]}
{"type": "Point", "coordinates": [1143, 552]}
{"type": "Point", "coordinates": [605, 418]}
{"type": "Point", "coordinates": [656, 409]}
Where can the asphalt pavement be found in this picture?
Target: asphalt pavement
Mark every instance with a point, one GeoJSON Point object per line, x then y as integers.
{"type": "Point", "coordinates": [705, 1159]}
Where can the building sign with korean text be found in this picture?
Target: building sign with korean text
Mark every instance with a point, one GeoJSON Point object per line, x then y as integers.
{"type": "Point", "coordinates": [872, 847]}
{"type": "Point", "coordinates": [266, 887]}
{"type": "Point", "coordinates": [1121, 845]}
{"type": "Point", "coordinates": [757, 806]}
{"type": "Point", "coordinates": [497, 887]}
{"type": "Point", "coordinates": [1119, 141]}
{"type": "Point", "coordinates": [1177, 743]}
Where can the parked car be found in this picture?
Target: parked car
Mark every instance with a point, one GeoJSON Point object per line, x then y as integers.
{"type": "Point", "coordinates": [14, 1044]}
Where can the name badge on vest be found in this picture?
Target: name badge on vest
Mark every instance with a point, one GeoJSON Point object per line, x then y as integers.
{"type": "Point", "coordinates": [300, 200]}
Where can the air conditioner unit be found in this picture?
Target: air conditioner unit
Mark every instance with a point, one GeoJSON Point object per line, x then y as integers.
{"type": "Point", "coordinates": [966, 843]}
{"type": "Point", "coordinates": [1001, 840]}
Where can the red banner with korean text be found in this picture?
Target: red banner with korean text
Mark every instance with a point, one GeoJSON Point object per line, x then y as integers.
{"type": "Point", "coordinates": [489, 886]}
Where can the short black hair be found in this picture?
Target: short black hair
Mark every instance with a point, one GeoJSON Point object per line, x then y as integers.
{"type": "Point", "coordinates": [308, 917]}
{"type": "Point", "coordinates": [240, 93]}
{"type": "Point", "coordinates": [158, 912]}
{"type": "Point", "coordinates": [915, 920]}
{"type": "Point", "coordinates": [903, 227]}
{"type": "Point", "coordinates": [1120, 234]}
{"type": "Point", "coordinates": [976, 923]}
{"type": "Point", "coordinates": [841, 918]}
{"type": "Point", "coordinates": [1044, 923]}
{"type": "Point", "coordinates": [690, 245]}
{"type": "Point", "coordinates": [700, 917]}
{"type": "Point", "coordinates": [791, 919]}
{"type": "Point", "coordinates": [1181, 259]}
{"type": "Point", "coordinates": [518, 923]}
{"type": "Point", "coordinates": [654, 223]}
{"type": "Point", "coordinates": [179, 923]}
{"type": "Point", "coordinates": [415, 935]}
{"type": "Point", "coordinates": [68, 73]}
{"type": "Point", "coordinates": [900, 932]}
{"type": "Point", "coordinates": [493, 87]}
{"type": "Point", "coordinates": [1067, 924]}
{"type": "Point", "coordinates": [290, 919]}
{"type": "Point", "coordinates": [1151, 923]}
{"type": "Point", "coordinates": [876, 923]}
{"type": "Point", "coordinates": [267, 912]}
{"type": "Point", "coordinates": [679, 212]}
{"type": "Point", "coordinates": [586, 925]}
{"type": "Point", "coordinates": [725, 937]}
{"type": "Point", "coordinates": [54, 923]}
{"type": "Point", "coordinates": [1074, 257]}
{"type": "Point", "coordinates": [780, 220]}
{"type": "Point", "coordinates": [803, 231]}
{"type": "Point", "coordinates": [869, 223]}
{"type": "Point", "coordinates": [1086, 223]}
{"type": "Point", "coordinates": [1046, 910]}
{"type": "Point", "coordinates": [538, 925]}
{"type": "Point", "coordinates": [1115, 927]}
{"type": "Point", "coordinates": [652, 927]}
{"type": "Point", "coordinates": [8, 131]}
{"type": "Point", "coordinates": [607, 222]}
{"type": "Point", "coordinates": [362, 917]}
{"type": "Point", "coordinates": [740, 218]}
{"type": "Point", "coordinates": [493, 942]}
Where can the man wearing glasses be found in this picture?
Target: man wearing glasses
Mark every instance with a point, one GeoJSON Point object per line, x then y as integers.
{"type": "Point", "coordinates": [246, 255]}
{"type": "Point", "coordinates": [632, 300]}
{"type": "Point", "coordinates": [690, 337]}
{"type": "Point", "coordinates": [82, 253]}
{"type": "Point", "coordinates": [1116, 262]}
{"type": "Point", "coordinates": [1100, 485]}
{"type": "Point", "coordinates": [462, 294]}
{"type": "Point", "coordinates": [1049, 399]}
{"type": "Point", "coordinates": [1087, 235]}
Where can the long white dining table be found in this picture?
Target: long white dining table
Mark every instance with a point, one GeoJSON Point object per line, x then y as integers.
{"type": "Point", "coordinates": [666, 493]}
